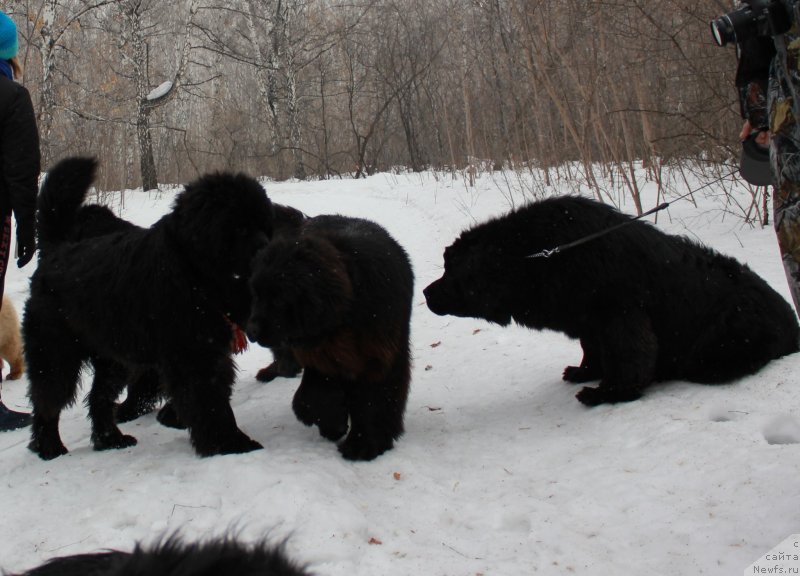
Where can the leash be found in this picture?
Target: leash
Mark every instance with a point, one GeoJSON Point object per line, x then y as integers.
{"type": "Point", "coordinates": [548, 252]}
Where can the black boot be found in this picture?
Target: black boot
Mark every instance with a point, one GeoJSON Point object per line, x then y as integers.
{"type": "Point", "coordinates": [11, 420]}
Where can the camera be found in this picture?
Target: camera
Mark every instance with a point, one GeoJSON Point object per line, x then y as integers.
{"type": "Point", "coordinates": [752, 18]}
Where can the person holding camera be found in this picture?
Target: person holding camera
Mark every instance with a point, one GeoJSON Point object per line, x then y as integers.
{"type": "Point", "coordinates": [768, 82]}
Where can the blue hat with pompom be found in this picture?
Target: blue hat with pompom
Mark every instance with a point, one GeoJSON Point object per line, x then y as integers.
{"type": "Point", "coordinates": [8, 37]}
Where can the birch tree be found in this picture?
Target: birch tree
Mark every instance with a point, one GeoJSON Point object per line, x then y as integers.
{"type": "Point", "coordinates": [54, 19]}
{"type": "Point", "coordinates": [137, 30]}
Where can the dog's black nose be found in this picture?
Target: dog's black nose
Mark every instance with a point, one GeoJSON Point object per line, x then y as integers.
{"type": "Point", "coordinates": [429, 290]}
{"type": "Point", "coordinates": [253, 331]}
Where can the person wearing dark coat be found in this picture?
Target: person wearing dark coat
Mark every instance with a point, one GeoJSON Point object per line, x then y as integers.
{"type": "Point", "coordinates": [20, 165]}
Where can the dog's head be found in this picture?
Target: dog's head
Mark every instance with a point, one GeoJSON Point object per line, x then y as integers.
{"type": "Point", "coordinates": [475, 283]}
{"type": "Point", "coordinates": [218, 224]}
{"type": "Point", "coordinates": [221, 220]}
{"type": "Point", "coordinates": [300, 292]}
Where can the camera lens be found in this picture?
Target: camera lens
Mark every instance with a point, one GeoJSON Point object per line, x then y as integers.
{"type": "Point", "coordinates": [722, 30]}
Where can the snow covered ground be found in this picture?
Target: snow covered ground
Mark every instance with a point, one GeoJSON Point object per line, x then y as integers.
{"type": "Point", "coordinates": [501, 472]}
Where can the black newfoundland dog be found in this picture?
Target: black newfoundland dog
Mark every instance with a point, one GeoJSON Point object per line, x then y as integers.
{"type": "Point", "coordinates": [161, 298]}
{"type": "Point", "coordinates": [646, 306]}
{"type": "Point", "coordinates": [339, 297]}
{"type": "Point", "coordinates": [175, 558]}
{"type": "Point", "coordinates": [145, 391]}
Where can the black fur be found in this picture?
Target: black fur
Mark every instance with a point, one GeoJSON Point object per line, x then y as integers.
{"type": "Point", "coordinates": [288, 222]}
{"type": "Point", "coordinates": [142, 299]}
{"type": "Point", "coordinates": [645, 305]}
{"type": "Point", "coordinates": [339, 296]}
{"type": "Point", "coordinates": [145, 391]}
{"type": "Point", "coordinates": [284, 365]}
{"type": "Point", "coordinates": [175, 558]}
{"type": "Point", "coordinates": [90, 221]}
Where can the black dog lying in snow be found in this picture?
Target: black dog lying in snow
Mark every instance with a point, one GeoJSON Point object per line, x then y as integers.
{"type": "Point", "coordinates": [158, 298]}
{"type": "Point", "coordinates": [174, 558]}
{"type": "Point", "coordinates": [645, 305]}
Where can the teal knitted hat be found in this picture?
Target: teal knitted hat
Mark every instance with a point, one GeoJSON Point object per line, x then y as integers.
{"type": "Point", "coordinates": [8, 37]}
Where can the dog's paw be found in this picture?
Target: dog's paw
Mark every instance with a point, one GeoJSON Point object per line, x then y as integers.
{"type": "Point", "coordinates": [267, 374]}
{"type": "Point", "coordinates": [168, 417]}
{"type": "Point", "coordinates": [47, 452]}
{"type": "Point", "coordinates": [332, 423]}
{"type": "Point", "coordinates": [241, 446]}
{"type": "Point", "coordinates": [114, 440]}
{"type": "Point", "coordinates": [360, 447]}
{"type": "Point", "coordinates": [277, 370]}
{"type": "Point", "coordinates": [238, 443]}
{"type": "Point", "coordinates": [578, 375]}
{"type": "Point", "coordinates": [333, 431]}
{"type": "Point", "coordinates": [305, 412]}
{"type": "Point", "coordinates": [126, 411]}
{"type": "Point", "coordinates": [600, 395]}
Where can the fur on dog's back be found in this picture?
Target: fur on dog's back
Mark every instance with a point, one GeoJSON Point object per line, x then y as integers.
{"type": "Point", "coordinates": [175, 558]}
{"type": "Point", "coordinates": [670, 276]}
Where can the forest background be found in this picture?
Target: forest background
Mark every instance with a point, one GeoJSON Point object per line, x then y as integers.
{"type": "Point", "coordinates": [162, 91]}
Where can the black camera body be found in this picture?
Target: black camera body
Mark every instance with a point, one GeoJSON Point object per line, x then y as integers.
{"type": "Point", "coordinates": [753, 18]}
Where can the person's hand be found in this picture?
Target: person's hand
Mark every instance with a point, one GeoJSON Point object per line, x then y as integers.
{"type": "Point", "coordinates": [26, 241]}
{"type": "Point", "coordinates": [762, 139]}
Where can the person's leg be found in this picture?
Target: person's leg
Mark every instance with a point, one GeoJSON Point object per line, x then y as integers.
{"type": "Point", "coordinates": [785, 159]}
{"type": "Point", "coordinates": [9, 419]}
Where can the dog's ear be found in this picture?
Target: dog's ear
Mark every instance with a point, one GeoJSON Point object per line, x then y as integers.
{"type": "Point", "coordinates": [286, 220]}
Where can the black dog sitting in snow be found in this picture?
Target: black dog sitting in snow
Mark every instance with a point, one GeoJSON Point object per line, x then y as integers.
{"type": "Point", "coordinates": [646, 306]}
{"type": "Point", "coordinates": [175, 558]}
{"type": "Point", "coordinates": [338, 295]}
{"type": "Point", "coordinates": [159, 298]}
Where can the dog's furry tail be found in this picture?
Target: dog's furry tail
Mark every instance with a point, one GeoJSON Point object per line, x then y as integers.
{"type": "Point", "coordinates": [60, 198]}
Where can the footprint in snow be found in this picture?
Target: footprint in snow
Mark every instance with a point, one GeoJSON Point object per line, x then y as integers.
{"type": "Point", "coordinates": [783, 429]}
{"type": "Point", "coordinates": [723, 413]}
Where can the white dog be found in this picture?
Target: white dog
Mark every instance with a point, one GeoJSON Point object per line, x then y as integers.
{"type": "Point", "coordinates": [10, 339]}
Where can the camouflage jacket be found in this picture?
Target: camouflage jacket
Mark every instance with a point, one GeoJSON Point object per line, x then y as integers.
{"type": "Point", "coordinates": [752, 79]}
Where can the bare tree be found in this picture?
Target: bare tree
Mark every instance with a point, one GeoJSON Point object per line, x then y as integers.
{"type": "Point", "coordinates": [325, 87]}
{"type": "Point", "coordinates": [52, 20]}
{"type": "Point", "coordinates": [135, 48]}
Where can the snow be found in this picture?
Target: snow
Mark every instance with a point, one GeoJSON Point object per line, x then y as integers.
{"type": "Point", "coordinates": [501, 471]}
{"type": "Point", "coordinates": [160, 91]}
